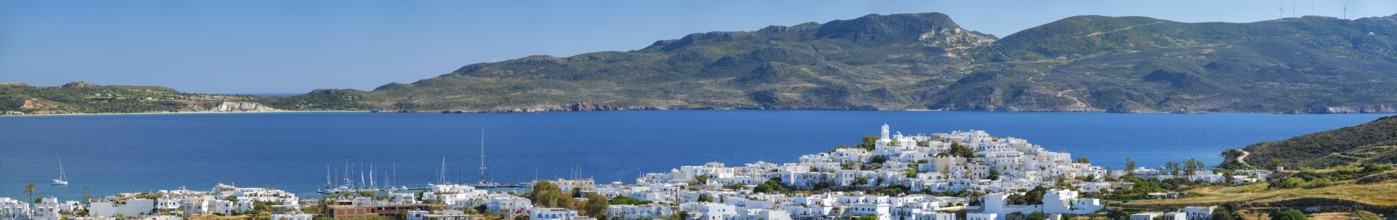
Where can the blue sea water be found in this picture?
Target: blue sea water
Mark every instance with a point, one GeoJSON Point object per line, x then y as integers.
{"type": "Point", "coordinates": [134, 153]}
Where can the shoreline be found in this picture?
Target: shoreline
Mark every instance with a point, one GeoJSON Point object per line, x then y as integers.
{"type": "Point", "coordinates": [173, 113]}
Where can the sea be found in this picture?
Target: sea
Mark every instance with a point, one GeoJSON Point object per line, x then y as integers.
{"type": "Point", "coordinates": [301, 151]}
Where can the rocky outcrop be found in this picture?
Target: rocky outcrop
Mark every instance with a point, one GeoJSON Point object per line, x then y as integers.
{"type": "Point", "coordinates": [241, 107]}
{"type": "Point", "coordinates": [1348, 109]}
{"type": "Point", "coordinates": [32, 105]}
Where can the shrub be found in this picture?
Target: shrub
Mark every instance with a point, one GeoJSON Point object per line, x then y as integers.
{"type": "Point", "coordinates": [1285, 183]}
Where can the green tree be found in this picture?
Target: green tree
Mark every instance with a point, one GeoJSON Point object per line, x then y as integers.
{"type": "Point", "coordinates": [1285, 183]}
{"type": "Point", "coordinates": [868, 141]}
{"type": "Point", "coordinates": [1036, 215]}
{"type": "Point", "coordinates": [547, 194]}
{"type": "Point", "coordinates": [1083, 160]}
{"type": "Point", "coordinates": [1288, 214]}
{"type": "Point", "coordinates": [30, 189]}
{"type": "Point", "coordinates": [623, 200]}
{"type": "Point", "coordinates": [772, 185]}
{"type": "Point", "coordinates": [1191, 166]}
{"type": "Point", "coordinates": [868, 217]}
{"type": "Point", "coordinates": [878, 159]}
{"type": "Point", "coordinates": [962, 150]}
{"type": "Point", "coordinates": [1221, 213]}
{"type": "Point", "coordinates": [596, 206]}
{"type": "Point", "coordinates": [1129, 166]}
{"type": "Point", "coordinates": [701, 179]}
{"type": "Point", "coordinates": [1173, 167]}
{"type": "Point", "coordinates": [704, 197]}
{"type": "Point", "coordinates": [994, 174]}
{"type": "Point", "coordinates": [860, 181]}
{"type": "Point", "coordinates": [86, 194]}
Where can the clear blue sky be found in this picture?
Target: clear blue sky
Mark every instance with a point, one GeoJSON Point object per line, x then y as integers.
{"type": "Point", "coordinates": [255, 46]}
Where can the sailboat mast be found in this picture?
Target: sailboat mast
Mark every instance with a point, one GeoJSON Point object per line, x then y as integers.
{"type": "Point", "coordinates": [482, 156]}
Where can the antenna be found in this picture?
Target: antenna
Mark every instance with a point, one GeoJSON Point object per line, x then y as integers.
{"type": "Point", "coordinates": [441, 177]}
{"type": "Point", "coordinates": [1312, 8]}
{"type": "Point", "coordinates": [1293, 9]}
{"type": "Point", "coordinates": [1282, 11]}
{"type": "Point", "coordinates": [1345, 10]}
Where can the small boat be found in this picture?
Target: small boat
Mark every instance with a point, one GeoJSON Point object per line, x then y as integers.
{"type": "Point", "coordinates": [62, 178]}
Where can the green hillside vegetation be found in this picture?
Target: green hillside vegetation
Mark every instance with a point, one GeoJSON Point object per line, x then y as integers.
{"type": "Point", "coordinates": [1370, 143]}
{"type": "Point", "coordinates": [927, 61]}
{"type": "Point", "coordinates": [80, 97]}
{"type": "Point", "coordinates": [923, 61]}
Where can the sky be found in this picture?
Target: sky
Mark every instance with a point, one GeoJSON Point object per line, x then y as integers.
{"type": "Point", "coordinates": [259, 46]}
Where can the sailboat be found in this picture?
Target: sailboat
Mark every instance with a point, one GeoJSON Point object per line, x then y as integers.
{"type": "Point", "coordinates": [62, 178]}
{"type": "Point", "coordinates": [485, 184]}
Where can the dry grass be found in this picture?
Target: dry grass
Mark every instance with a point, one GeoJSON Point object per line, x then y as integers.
{"type": "Point", "coordinates": [1380, 194]}
{"type": "Point", "coordinates": [1330, 216]}
{"type": "Point", "coordinates": [215, 217]}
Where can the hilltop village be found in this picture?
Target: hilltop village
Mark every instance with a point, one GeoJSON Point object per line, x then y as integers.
{"type": "Point", "coordinates": [968, 175]}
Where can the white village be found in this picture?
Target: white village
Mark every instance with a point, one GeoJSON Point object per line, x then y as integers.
{"type": "Point", "coordinates": [967, 175]}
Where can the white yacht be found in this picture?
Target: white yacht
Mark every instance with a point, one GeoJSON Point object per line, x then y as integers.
{"type": "Point", "coordinates": [62, 178]}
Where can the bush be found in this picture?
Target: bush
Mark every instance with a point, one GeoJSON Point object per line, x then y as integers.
{"type": "Point", "coordinates": [1288, 214]}
{"type": "Point", "coordinates": [1318, 182]}
{"type": "Point", "coordinates": [1377, 178]}
{"type": "Point", "coordinates": [1285, 183]}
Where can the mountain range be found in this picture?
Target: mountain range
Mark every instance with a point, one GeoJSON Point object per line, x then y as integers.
{"type": "Point", "coordinates": [925, 61]}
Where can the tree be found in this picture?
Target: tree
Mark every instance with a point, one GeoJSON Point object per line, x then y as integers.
{"type": "Point", "coordinates": [1191, 166]}
{"type": "Point", "coordinates": [596, 206]}
{"type": "Point", "coordinates": [1083, 160]}
{"type": "Point", "coordinates": [1129, 166]}
{"type": "Point", "coordinates": [772, 185]}
{"type": "Point", "coordinates": [86, 194]}
{"type": "Point", "coordinates": [547, 194]}
{"type": "Point", "coordinates": [1173, 167]}
{"type": "Point", "coordinates": [1288, 214]}
{"type": "Point", "coordinates": [623, 200]}
{"type": "Point", "coordinates": [868, 141]}
{"type": "Point", "coordinates": [1221, 213]}
{"type": "Point", "coordinates": [30, 189]}
{"type": "Point", "coordinates": [1036, 215]}
{"type": "Point", "coordinates": [878, 159]}
{"type": "Point", "coordinates": [1285, 183]}
{"type": "Point", "coordinates": [962, 150]}
{"type": "Point", "coordinates": [701, 179]}
{"type": "Point", "coordinates": [994, 174]}
{"type": "Point", "coordinates": [860, 181]}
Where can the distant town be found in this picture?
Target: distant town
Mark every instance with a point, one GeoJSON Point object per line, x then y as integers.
{"type": "Point", "coordinates": [965, 175]}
